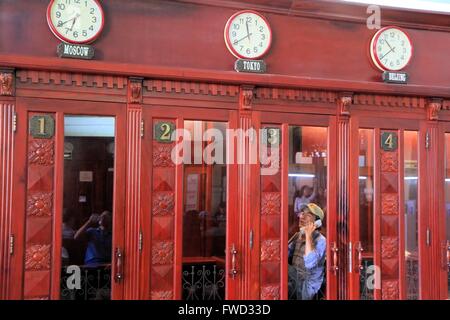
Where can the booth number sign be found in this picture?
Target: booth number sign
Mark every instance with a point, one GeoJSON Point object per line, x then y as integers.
{"type": "Point", "coordinates": [163, 131]}
{"type": "Point", "coordinates": [271, 136]}
{"type": "Point", "coordinates": [42, 127]}
{"type": "Point", "coordinates": [389, 141]}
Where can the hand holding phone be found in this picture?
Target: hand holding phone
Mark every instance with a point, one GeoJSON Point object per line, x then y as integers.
{"type": "Point", "coordinates": [317, 225]}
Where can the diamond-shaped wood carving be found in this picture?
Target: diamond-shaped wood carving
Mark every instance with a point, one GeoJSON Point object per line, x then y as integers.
{"type": "Point", "coordinates": [390, 290]}
{"type": "Point", "coordinates": [389, 268]}
{"type": "Point", "coordinates": [40, 204]}
{"type": "Point", "coordinates": [161, 277]}
{"type": "Point", "coordinates": [389, 247]}
{"type": "Point", "coordinates": [271, 203]}
{"type": "Point", "coordinates": [163, 228]}
{"type": "Point", "coordinates": [270, 272]}
{"type": "Point", "coordinates": [162, 295]}
{"type": "Point", "coordinates": [36, 284]}
{"type": "Point", "coordinates": [389, 182]}
{"type": "Point", "coordinates": [162, 155]}
{"type": "Point", "coordinates": [389, 162]}
{"type": "Point", "coordinates": [270, 227]}
{"type": "Point", "coordinates": [389, 203]}
{"type": "Point", "coordinates": [270, 250]}
{"type": "Point", "coordinates": [41, 152]}
{"type": "Point", "coordinates": [37, 257]}
{"type": "Point", "coordinates": [163, 203]}
{"type": "Point", "coordinates": [270, 292]}
{"type": "Point", "coordinates": [162, 252]}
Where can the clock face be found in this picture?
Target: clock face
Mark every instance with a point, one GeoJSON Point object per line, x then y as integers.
{"type": "Point", "coordinates": [391, 49]}
{"type": "Point", "coordinates": [75, 21]}
{"type": "Point", "coordinates": [248, 35]}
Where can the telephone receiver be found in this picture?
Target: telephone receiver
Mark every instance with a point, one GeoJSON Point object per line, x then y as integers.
{"type": "Point", "coordinates": [317, 224]}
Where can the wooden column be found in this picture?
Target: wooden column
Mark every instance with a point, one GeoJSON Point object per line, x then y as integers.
{"type": "Point", "coordinates": [343, 191]}
{"type": "Point", "coordinates": [7, 128]}
{"type": "Point", "coordinates": [430, 216]}
{"type": "Point", "coordinates": [133, 245]}
{"type": "Point", "coordinates": [248, 200]}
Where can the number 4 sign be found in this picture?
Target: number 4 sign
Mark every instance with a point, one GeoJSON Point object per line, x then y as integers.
{"type": "Point", "coordinates": [389, 141]}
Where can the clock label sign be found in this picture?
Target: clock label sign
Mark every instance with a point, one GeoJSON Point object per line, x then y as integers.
{"type": "Point", "coordinates": [75, 51]}
{"type": "Point", "coordinates": [251, 66]}
{"type": "Point", "coordinates": [395, 77]}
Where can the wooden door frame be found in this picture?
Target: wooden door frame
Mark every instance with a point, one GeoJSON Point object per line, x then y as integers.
{"type": "Point", "coordinates": [363, 121]}
{"type": "Point", "coordinates": [60, 108]}
{"type": "Point", "coordinates": [440, 221]}
{"type": "Point", "coordinates": [178, 115]}
{"type": "Point", "coordinates": [329, 121]}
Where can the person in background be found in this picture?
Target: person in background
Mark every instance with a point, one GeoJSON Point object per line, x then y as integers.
{"type": "Point", "coordinates": [98, 232]}
{"type": "Point", "coordinates": [68, 234]}
{"type": "Point", "coordinates": [304, 196]}
{"type": "Point", "coordinates": [307, 253]}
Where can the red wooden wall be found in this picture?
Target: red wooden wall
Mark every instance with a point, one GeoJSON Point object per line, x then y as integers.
{"type": "Point", "coordinates": [331, 51]}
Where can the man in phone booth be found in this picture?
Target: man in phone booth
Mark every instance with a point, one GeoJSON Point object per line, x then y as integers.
{"type": "Point", "coordinates": [307, 253]}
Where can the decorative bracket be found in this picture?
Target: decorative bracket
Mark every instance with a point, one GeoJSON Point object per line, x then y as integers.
{"type": "Point", "coordinates": [345, 100]}
{"type": "Point", "coordinates": [135, 90]}
{"type": "Point", "coordinates": [7, 85]}
{"type": "Point", "coordinates": [246, 97]}
{"type": "Point", "coordinates": [434, 105]}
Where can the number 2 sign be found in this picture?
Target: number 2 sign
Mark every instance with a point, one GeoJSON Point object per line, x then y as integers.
{"type": "Point", "coordinates": [389, 141]}
{"type": "Point", "coordinates": [163, 131]}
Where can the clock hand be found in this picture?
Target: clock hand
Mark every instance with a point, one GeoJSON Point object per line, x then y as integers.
{"type": "Point", "coordinates": [387, 54]}
{"type": "Point", "coordinates": [74, 20]}
{"type": "Point", "coordinates": [248, 32]}
{"type": "Point", "coordinates": [71, 19]}
{"type": "Point", "coordinates": [247, 36]}
{"type": "Point", "coordinates": [393, 49]}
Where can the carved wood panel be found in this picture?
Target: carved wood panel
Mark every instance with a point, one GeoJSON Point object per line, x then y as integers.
{"type": "Point", "coordinates": [270, 215]}
{"type": "Point", "coordinates": [163, 219]}
{"type": "Point", "coordinates": [39, 216]}
{"type": "Point", "coordinates": [389, 225]}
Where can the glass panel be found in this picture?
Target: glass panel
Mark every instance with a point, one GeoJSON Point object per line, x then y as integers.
{"type": "Point", "coordinates": [204, 219]}
{"type": "Point", "coordinates": [88, 202]}
{"type": "Point", "coordinates": [411, 214]}
{"type": "Point", "coordinates": [366, 210]}
{"type": "Point", "coordinates": [447, 194]}
{"type": "Point", "coordinates": [308, 150]}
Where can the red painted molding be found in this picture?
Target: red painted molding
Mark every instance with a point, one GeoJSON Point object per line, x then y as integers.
{"type": "Point", "coordinates": [223, 77]}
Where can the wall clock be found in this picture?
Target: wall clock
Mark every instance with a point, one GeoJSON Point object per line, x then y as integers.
{"type": "Point", "coordinates": [248, 35]}
{"type": "Point", "coordinates": [391, 49]}
{"type": "Point", "coordinates": [76, 21]}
